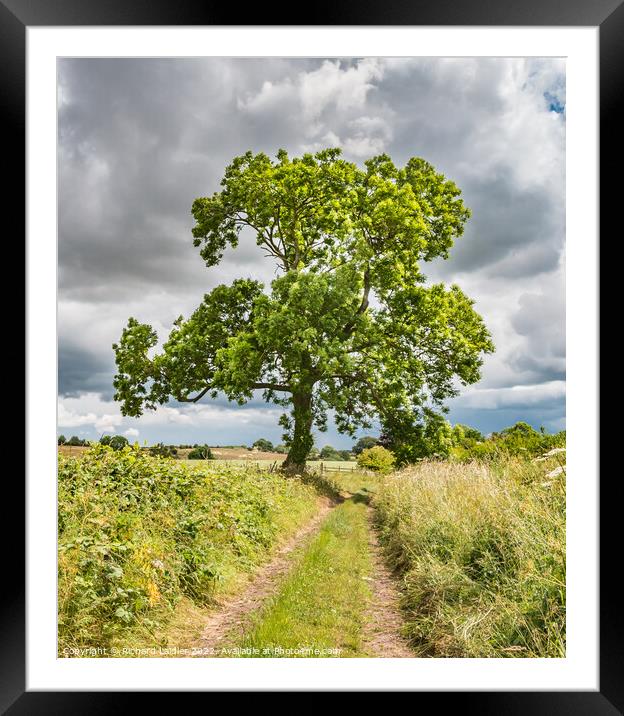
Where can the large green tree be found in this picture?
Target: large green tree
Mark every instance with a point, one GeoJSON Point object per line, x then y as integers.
{"type": "Point", "coordinates": [347, 325]}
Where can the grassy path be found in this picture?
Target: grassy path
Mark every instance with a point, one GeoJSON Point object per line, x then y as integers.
{"type": "Point", "coordinates": [337, 599]}
{"type": "Point", "coordinates": [235, 612]}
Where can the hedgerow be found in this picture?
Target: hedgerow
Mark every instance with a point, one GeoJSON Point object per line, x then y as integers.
{"type": "Point", "coordinates": [136, 533]}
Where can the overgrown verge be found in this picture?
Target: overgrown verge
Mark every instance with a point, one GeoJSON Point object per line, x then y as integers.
{"type": "Point", "coordinates": [137, 533]}
{"type": "Point", "coordinates": [481, 548]}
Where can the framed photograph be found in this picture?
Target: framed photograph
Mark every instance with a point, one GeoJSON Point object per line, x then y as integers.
{"type": "Point", "coordinates": [311, 312]}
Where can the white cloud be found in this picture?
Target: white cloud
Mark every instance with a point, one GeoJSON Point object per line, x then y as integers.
{"type": "Point", "coordinates": [331, 85]}
{"type": "Point", "coordinates": [346, 88]}
{"type": "Point", "coordinates": [328, 105]}
{"type": "Point", "coordinates": [215, 415]}
{"type": "Point", "coordinates": [370, 136]}
{"type": "Point", "coordinates": [517, 395]}
{"type": "Point", "coordinates": [90, 410]}
{"type": "Point", "coordinates": [270, 96]}
{"type": "Point", "coordinates": [74, 412]}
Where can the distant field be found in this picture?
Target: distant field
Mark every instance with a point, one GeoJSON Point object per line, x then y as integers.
{"type": "Point", "coordinates": [264, 463]}
{"type": "Point", "coordinates": [237, 457]}
{"type": "Point", "coordinates": [72, 450]}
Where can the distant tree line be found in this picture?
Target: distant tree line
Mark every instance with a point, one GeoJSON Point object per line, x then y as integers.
{"type": "Point", "coordinates": [201, 452]}
{"type": "Point", "coordinates": [435, 438]}
{"type": "Point", "coordinates": [74, 441]}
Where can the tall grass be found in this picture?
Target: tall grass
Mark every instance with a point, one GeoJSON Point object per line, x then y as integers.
{"type": "Point", "coordinates": [481, 550]}
{"type": "Point", "coordinates": [139, 533]}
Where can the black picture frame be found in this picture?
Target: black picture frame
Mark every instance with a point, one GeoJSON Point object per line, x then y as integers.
{"type": "Point", "coordinates": [17, 15]}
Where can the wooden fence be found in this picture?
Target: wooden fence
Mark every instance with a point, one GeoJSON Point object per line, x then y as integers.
{"type": "Point", "coordinates": [338, 468]}
{"type": "Point", "coordinates": [271, 467]}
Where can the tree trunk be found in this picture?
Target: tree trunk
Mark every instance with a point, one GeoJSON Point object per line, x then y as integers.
{"type": "Point", "coordinates": [302, 440]}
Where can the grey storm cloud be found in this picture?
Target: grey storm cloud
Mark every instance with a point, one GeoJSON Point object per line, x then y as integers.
{"type": "Point", "coordinates": [539, 321]}
{"type": "Point", "coordinates": [139, 139]}
{"type": "Point", "coordinates": [507, 222]}
{"type": "Point", "coordinates": [83, 371]}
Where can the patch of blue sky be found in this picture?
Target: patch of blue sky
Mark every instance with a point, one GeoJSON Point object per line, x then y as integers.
{"type": "Point", "coordinates": [554, 103]}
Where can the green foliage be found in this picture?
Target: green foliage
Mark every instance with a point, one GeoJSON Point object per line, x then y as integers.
{"type": "Point", "coordinates": [518, 440]}
{"type": "Point", "coordinates": [263, 445]}
{"type": "Point", "coordinates": [75, 441]}
{"type": "Point", "coordinates": [313, 341]}
{"type": "Point", "coordinates": [376, 458]}
{"type": "Point", "coordinates": [465, 435]}
{"type": "Point", "coordinates": [481, 552]}
{"type": "Point", "coordinates": [62, 440]}
{"type": "Point", "coordinates": [281, 449]}
{"type": "Point", "coordinates": [118, 442]}
{"type": "Point", "coordinates": [162, 450]}
{"type": "Point", "coordinates": [329, 453]}
{"type": "Point", "coordinates": [411, 440]}
{"type": "Point", "coordinates": [365, 442]}
{"type": "Point", "coordinates": [202, 452]}
{"type": "Point", "coordinates": [137, 533]}
{"type": "Point", "coordinates": [433, 437]}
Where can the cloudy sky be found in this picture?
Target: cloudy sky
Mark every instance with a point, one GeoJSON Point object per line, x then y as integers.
{"type": "Point", "coordinates": [139, 139]}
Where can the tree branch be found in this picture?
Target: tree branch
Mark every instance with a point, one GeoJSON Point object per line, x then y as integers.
{"type": "Point", "coordinates": [272, 386]}
{"type": "Point", "coordinates": [266, 239]}
{"type": "Point", "coordinates": [196, 398]}
{"type": "Point", "coordinates": [348, 329]}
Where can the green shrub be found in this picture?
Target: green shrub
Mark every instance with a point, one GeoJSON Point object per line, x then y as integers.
{"type": "Point", "coordinates": [376, 458]}
{"type": "Point", "coordinates": [328, 452]}
{"type": "Point", "coordinates": [411, 439]}
{"type": "Point", "coordinates": [118, 442]}
{"type": "Point", "coordinates": [201, 453]}
{"type": "Point", "coordinates": [263, 445]}
{"type": "Point", "coordinates": [519, 440]}
{"type": "Point", "coordinates": [365, 442]}
{"type": "Point", "coordinates": [162, 450]}
{"type": "Point", "coordinates": [137, 533]}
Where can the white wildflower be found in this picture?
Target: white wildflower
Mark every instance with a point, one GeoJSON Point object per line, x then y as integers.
{"type": "Point", "coordinates": [550, 453]}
